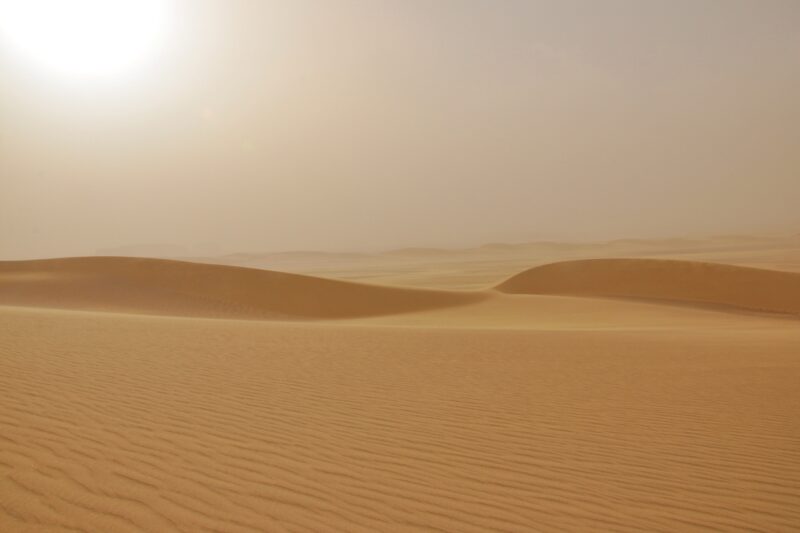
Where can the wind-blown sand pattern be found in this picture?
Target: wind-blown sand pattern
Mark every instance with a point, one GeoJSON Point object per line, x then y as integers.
{"type": "Point", "coordinates": [342, 406]}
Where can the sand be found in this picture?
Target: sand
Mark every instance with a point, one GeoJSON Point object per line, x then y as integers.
{"type": "Point", "coordinates": [176, 288]}
{"type": "Point", "coordinates": [669, 280]}
{"type": "Point", "coordinates": [624, 395]}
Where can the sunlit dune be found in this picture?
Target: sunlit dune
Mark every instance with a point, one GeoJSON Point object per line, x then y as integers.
{"type": "Point", "coordinates": [513, 409]}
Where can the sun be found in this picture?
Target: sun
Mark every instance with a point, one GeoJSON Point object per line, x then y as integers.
{"type": "Point", "coordinates": [83, 39]}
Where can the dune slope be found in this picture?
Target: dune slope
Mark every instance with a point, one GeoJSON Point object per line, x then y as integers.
{"type": "Point", "coordinates": [164, 287]}
{"type": "Point", "coordinates": [679, 281]}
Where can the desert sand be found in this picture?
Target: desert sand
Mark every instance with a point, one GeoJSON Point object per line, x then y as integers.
{"type": "Point", "coordinates": [624, 386]}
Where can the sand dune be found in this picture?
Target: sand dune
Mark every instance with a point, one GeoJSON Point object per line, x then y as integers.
{"type": "Point", "coordinates": [677, 281]}
{"type": "Point", "coordinates": [176, 288]}
{"type": "Point", "coordinates": [517, 412]}
{"type": "Point", "coordinates": [164, 287]}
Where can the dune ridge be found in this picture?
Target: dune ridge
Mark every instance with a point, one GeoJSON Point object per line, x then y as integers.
{"type": "Point", "coordinates": [178, 288]}
{"type": "Point", "coordinates": [692, 282]}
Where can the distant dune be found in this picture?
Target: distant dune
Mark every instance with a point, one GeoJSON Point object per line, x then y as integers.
{"type": "Point", "coordinates": [477, 267]}
{"type": "Point", "coordinates": [682, 281]}
{"type": "Point", "coordinates": [165, 287]}
{"type": "Point", "coordinates": [420, 251]}
{"type": "Point", "coordinates": [147, 250]}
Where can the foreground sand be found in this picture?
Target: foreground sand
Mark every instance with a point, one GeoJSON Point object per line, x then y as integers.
{"type": "Point", "coordinates": [484, 412]}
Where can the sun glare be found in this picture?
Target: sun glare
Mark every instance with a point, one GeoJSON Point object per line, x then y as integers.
{"type": "Point", "coordinates": [83, 39]}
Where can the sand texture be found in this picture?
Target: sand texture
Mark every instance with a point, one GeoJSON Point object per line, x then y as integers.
{"type": "Point", "coordinates": [588, 395]}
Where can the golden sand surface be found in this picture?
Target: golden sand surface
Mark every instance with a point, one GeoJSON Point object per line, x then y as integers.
{"type": "Point", "coordinates": [593, 394]}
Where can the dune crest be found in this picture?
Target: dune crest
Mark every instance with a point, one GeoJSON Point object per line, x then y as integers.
{"type": "Point", "coordinates": [662, 279]}
{"type": "Point", "coordinates": [177, 288]}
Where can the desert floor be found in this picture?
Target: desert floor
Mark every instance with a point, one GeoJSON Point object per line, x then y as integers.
{"type": "Point", "coordinates": [428, 392]}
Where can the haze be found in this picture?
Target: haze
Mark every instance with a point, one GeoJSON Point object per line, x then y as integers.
{"type": "Point", "coordinates": [358, 125]}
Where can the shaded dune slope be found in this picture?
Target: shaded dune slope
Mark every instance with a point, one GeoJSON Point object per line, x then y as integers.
{"type": "Point", "coordinates": [164, 287]}
{"type": "Point", "coordinates": [676, 281]}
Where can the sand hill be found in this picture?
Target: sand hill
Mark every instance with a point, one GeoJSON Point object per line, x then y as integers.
{"type": "Point", "coordinates": [165, 287]}
{"type": "Point", "coordinates": [517, 409]}
{"type": "Point", "coordinates": [675, 281]}
{"type": "Point", "coordinates": [177, 288]}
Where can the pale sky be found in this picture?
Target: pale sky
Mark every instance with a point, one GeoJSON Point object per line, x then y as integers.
{"type": "Point", "coordinates": [369, 124]}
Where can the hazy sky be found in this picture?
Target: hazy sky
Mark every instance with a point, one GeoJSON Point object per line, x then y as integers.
{"type": "Point", "coordinates": [368, 124]}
